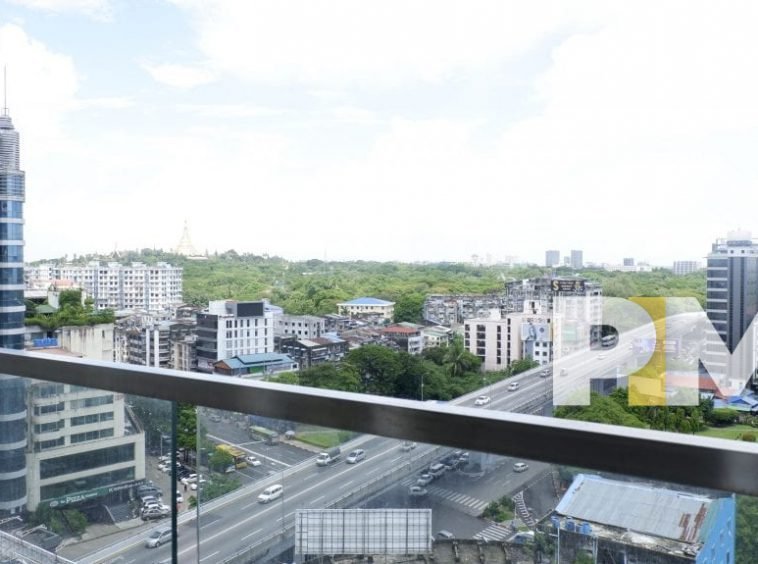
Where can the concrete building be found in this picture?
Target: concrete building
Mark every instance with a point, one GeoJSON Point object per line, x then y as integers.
{"type": "Point", "coordinates": [731, 297]}
{"type": "Point", "coordinates": [301, 326]}
{"type": "Point", "coordinates": [629, 261]}
{"type": "Point", "coordinates": [436, 336]}
{"type": "Point", "coordinates": [453, 309]}
{"type": "Point", "coordinates": [577, 259]}
{"type": "Point", "coordinates": [367, 307]}
{"type": "Point", "coordinates": [229, 328]}
{"type": "Point", "coordinates": [183, 346]}
{"type": "Point", "coordinates": [310, 352]}
{"type": "Point", "coordinates": [13, 407]}
{"type": "Point", "coordinates": [683, 267]}
{"type": "Point", "coordinates": [255, 365]}
{"type": "Point", "coordinates": [498, 342]}
{"type": "Point", "coordinates": [552, 258]}
{"type": "Point", "coordinates": [609, 521]}
{"type": "Point", "coordinates": [87, 448]}
{"type": "Point", "coordinates": [155, 288]}
{"type": "Point", "coordinates": [540, 294]}
{"type": "Point", "coordinates": [408, 337]}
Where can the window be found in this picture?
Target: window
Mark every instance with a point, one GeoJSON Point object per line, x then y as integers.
{"type": "Point", "coordinates": [86, 460]}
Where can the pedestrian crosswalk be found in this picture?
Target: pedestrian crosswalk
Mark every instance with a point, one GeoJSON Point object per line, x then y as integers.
{"type": "Point", "coordinates": [468, 504]}
{"type": "Point", "coordinates": [494, 532]}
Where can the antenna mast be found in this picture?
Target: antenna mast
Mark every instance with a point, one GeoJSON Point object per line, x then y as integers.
{"type": "Point", "coordinates": [5, 90]}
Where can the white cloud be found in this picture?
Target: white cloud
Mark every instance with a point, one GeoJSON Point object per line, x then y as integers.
{"type": "Point", "coordinates": [380, 41]}
{"type": "Point", "coordinates": [106, 103]}
{"type": "Point", "coordinates": [224, 111]}
{"type": "Point", "coordinates": [98, 9]}
{"type": "Point", "coordinates": [180, 76]}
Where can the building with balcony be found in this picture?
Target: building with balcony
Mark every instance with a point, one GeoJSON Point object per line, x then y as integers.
{"type": "Point", "coordinates": [154, 288]}
{"type": "Point", "coordinates": [436, 336]}
{"type": "Point", "coordinates": [453, 309]}
{"type": "Point", "coordinates": [367, 308]}
{"type": "Point", "coordinates": [230, 328]}
{"type": "Point", "coordinates": [607, 521]}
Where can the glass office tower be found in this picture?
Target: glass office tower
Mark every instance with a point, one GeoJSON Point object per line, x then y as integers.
{"type": "Point", "coordinates": [12, 389]}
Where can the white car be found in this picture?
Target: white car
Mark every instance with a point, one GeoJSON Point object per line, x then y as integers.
{"type": "Point", "coordinates": [271, 493]}
{"type": "Point", "coordinates": [253, 461]}
{"type": "Point", "coordinates": [520, 467]}
{"type": "Point", "coordinates": [482, 400]}
{"type": "Point", "coordinates": [189, 479]}
{"type": "Point", "coordinates": [424, 480]}
{"type": "Point", "coordinates": [356, 456]}
{"type": "Point", "coordinates": [407, 446]}
{"type": "Point", "coordinates": [513, 386]}
{"type": "Point", "coordinates": [199, 483]}
{"type": "Point", "coordinates": [417, 491]}
{"type": "Point", "coordinates": [179, 497]}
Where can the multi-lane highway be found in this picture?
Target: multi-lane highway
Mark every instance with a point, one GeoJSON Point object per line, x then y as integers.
{"type": "Point", "coordinates": [236, 521]}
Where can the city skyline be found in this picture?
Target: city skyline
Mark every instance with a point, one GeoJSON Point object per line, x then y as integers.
{"type": "Point", "coordinates": [499, 133]}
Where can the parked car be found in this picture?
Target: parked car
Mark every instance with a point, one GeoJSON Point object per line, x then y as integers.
{"type": "Point", "coordinates": [520, 467]}
{"type": "Point", "coordinates": [190, 478]}
{"type": "Point", "coordinates": [407, 446]}
{"type": "Point", "coordinates": [443, 534]}
{"type": "Point", "coordinates": [149, 490]}
{"type": "Point", "coordinates": [513, 386]}
{"type": "Point", "coordinates": [158, 537]}
{"type": "Point", "coordinates": [424, 480]}
{"type": "Point", "coordinates": [148, 499]}
{"type": "Point", "coordinates": [253, 461]}
{"type": "Point", "coordinates": [356, 456]}
{"type": "Point", "coordinates": [158, 512]}
{"type": "Point", "coordinates": [482, 400]}
{"type": "Point", "coordinates": [179, 497]}
{"type": "Point", "coordinates": [271, 493]}
{"type": "Point", "coordinates": [417, 491]}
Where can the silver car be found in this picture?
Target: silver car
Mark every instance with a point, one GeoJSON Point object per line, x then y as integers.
{"type": "Point", "coordinates": [158, 537]}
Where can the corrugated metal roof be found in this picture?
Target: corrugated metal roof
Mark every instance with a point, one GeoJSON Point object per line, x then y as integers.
{"type": "Point", "coordinates": [636, 507]}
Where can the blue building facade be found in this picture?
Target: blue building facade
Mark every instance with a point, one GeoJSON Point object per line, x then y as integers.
{"type": "Point", "coordinates": [13, 436]}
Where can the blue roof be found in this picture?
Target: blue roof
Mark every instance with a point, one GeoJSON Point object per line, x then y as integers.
{"type": "Point", "coordinates": [367, 301]}
{"type": "Point", "coordinates": [245, 360]}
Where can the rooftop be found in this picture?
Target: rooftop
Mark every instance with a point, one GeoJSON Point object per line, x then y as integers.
{"type": "Point", "coordinates": [636, 507]}
{"type": "Point", "coordinates": [368, 301]}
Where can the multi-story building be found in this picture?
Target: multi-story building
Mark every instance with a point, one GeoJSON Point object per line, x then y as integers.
{"type": "Point", "coordinates": [310, 352]}
{"type": "Point", "coordinates": [604, 520]}
{"type": "Point", "coordinates": [86, 447]}
{"type": "Point", "coordinates": [13, 409]}
{"type": "Point", "coordinates": [498, 342]}
{"type": "Point", "coordinates": [229, 328]}
{"type": "Point", "coordinates": [577, 259]}
{"type": "Point", "coordinates": [301, 326]}
{"type": "Point", "coordinates": [154, 288]}
{"type": "Point", "coordinates": [453, 309]}
{"type": "Point", "coordinates": [407, 336]}
{"type": "Point", "coordinates": [368, 307]}
{"type": "Point", "coordinates": [552, 258]}
{"type": "Point", "coordinates": [682, 267]}
{"type": "Point", "coordinates": [541, 293]}
{"type": "Point", "coordinates": [183, 346]}
{"type": "Point", "coordinates": [731, 299]}
{"type": "Point", "coordinates": [90, 341]}
{"type": "Point", "coordinates": [436, 336]}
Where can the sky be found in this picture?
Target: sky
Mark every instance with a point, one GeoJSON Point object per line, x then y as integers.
{"type": "Point", "coordinates": [385, 130]}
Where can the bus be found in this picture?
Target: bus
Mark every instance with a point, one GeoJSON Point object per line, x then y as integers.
{"type": "Point", "coordinates": [262, 434]}
{"type": "Point", "coordinates": [238, 456]}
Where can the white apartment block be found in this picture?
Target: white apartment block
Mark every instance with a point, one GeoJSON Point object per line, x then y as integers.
{"type": "Point", "coordinates": [300, 326]}
{"type": "Point", "coordinates": [84, 445]}
{"type": "Point", "coordinates": [682, 267]}
{"type": "Point", "coordinates": [498, 342]}
{"type": "Point", "coordinates": [138, 286]}
{"type": "Point", "coordinates": [229, 328]}
{"type": "Point", "coordinates": [364, 307]}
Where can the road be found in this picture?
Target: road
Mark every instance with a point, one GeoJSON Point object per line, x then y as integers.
{"type": "Point", "coordinates": [238, 520]}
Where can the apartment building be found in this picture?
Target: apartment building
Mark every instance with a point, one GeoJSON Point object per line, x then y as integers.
{"type": "Point", "coordinates": [229, 328]}
{"type": "Point", "coordinates": [407, 336]}
{"type": "Point", "coordinates": [552, 258]}
{"type": "Point", "coordinates": [155, 288]}
{"type": "Point", "coordinates": [368, 307]}
{"type": "Point", "coordinates": [683, 267]}
{"type": "Point", "coordinates": [453, 309]}
{"type": "Point", "coordinates": [310, 352]}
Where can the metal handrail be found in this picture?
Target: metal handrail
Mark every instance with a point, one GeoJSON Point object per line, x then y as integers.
{"type": "Point", "coordinates": [683, 459]}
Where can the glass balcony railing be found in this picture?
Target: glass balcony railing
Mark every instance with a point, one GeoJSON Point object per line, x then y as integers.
{"type": "Point", "coordinates": [247, 471]}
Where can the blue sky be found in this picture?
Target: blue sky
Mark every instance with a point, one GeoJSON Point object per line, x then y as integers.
{"type": "Point", "coordinates": [384, 130]}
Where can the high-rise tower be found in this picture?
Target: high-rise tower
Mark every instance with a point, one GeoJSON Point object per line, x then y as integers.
{"type": "Point", "coordinates": [12, 388]}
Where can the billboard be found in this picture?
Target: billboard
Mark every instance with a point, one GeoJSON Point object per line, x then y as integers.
{"type": "Point", "coordinates": [324, 532]}
{"type": "Point", "coordinates": [569, 285]}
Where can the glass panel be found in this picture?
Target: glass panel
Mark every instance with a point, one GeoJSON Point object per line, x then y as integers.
{"type": "Point", "coordinates": [298, 492]}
